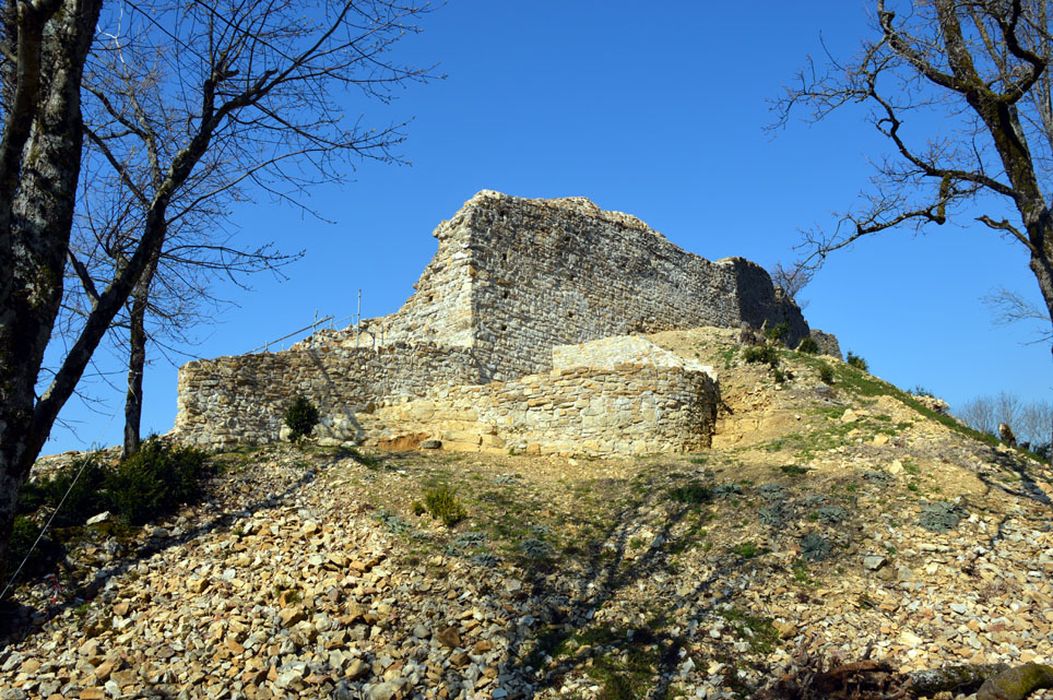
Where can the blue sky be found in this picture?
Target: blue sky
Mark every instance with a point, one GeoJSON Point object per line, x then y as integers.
{"type": "Point", "coordinates": [659, 112]}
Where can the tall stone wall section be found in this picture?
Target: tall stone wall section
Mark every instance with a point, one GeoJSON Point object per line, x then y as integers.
{"type": "Point", "coordinates": [540, 273]}
{"type": "Point", "coordinates": [627, 409]}
{"type": "Point", "coordinates": [242, 399]}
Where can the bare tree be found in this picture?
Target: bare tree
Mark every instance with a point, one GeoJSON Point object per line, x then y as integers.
{"type": "Point", "coordinates": [1030, 422]}
{"type": "Point", "coordinates": [981, 66]}
{"type": "Point", "coordinates": [252, 88]}
{"type": "Point", "coordinates": [979, 414]}
{"type": "Point", "coordinates": [792, 279]}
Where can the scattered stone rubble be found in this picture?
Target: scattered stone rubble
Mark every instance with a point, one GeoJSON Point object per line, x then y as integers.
{"type": "Point", "coordinates": [310, 574]}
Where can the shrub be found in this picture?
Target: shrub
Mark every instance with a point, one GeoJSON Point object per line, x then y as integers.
{"type": "Point", "coordinates": [443, 505]}
{"type": "Point", "coordinates": [809, 346]}
{"type": "Point", "coordinates": [86, 495]}
{"type": "Point", "coordinates": [156, 481]}
{"type": "Point", "coordinates": [826, 374]}
{"type": "Point", "coordinates": [856, 361]}
{"type": "Point", "coordinates": [42, 560]}
{"type": "Point", "coordinates": [301, 416]}
{"type": "Point", "coordinates": [778, 332]}
{"type": "Point", "coordinates": [766, 354]}
{"type": "Point", "coordinates": [693, 493]}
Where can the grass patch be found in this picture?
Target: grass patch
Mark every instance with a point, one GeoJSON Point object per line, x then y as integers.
{"type": "Point", "coordinates": [794, 470]}
{"type": "Point", "coordinates": [748, 550]}
{"type": "Point", "coordinates": [757, 631]}
{"type": "Point", "coordinates": [693, 493]}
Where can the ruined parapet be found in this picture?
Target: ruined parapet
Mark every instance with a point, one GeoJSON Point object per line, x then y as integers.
{"type": "Point", "coordinates": [242, 399]}
{"type": "Point", "coordinates": [827, 343]}
{"type": "Point", "coordinates": [617, 396]}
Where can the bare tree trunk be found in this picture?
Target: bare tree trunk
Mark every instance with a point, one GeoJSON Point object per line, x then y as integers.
{"type": "Point", "coordinates": [39, 168]}
{"type": "Point", "coordinates": [133, 402]}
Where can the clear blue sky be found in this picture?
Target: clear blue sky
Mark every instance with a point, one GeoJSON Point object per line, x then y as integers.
{"type": "Point", "coordinates": [657, 111]}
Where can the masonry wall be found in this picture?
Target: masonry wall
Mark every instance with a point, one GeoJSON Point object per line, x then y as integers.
{"type": "Point", "coordinates": [514, 277]}
{"type": "Point", "coordinates": [243, 399]}
{"type": "Point", "coordinates": [630, 409]}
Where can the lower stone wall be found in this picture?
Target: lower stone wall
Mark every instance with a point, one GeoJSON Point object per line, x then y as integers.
{"type": "Point", "coordinates": [242, 399]}
{"type": "Point", "coordinates": [628, 409]}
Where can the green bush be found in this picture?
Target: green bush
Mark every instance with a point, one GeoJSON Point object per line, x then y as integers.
{"type": "Point", "coordinates": [301, 416]}
{"type": "Point", "coordinates": [809, 346]}
{"type": "Point", "coordinates": [766, 354]}
{"type": "Point", "coordinates": [41, 561]}
{"type": "Point", "coordinates": [443, 505]}
{"type": "Point", "coordinates": [692, 493]}
{"type": "Point", "coordinates": [778, 332]}
{"type": "Point", "coordinates": [826, 374]}
{"type": "Point", "coordinates": [86, 493]}
{"type": "Point", "coordinates": [156, 481]}
{"type": "Point", "coordinates": [856, 361]}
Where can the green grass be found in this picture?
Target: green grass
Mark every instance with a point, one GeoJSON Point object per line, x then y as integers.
{"type": "Point", "coordinates": [757, 631]}
{"type": "Point", "coordinates": [748, 550]}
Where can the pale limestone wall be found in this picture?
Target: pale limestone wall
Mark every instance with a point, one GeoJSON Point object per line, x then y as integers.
{"type": "Point", "coordinates": [620, 395]}
{"type": "Point", "coordinates": [629, 409]}
{"type": "Point", "coordinates": [242, 399]}
{"type": "Point", "coordinates": [609, 353]}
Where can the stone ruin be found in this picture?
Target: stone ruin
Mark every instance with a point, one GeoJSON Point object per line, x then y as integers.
{"type": "Point", "coordinates": [523, 335]}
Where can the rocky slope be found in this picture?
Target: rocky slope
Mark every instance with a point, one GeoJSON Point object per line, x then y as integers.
{"type": "Point", "coordinates": [836, 521]}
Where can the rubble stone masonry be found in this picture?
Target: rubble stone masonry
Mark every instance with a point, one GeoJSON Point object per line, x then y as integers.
{"type": "Point", "coordinates": [519, 336]}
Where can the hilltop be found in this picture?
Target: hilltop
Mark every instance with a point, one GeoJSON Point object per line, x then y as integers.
{"type": "Point", "coordinates": [834, 518]}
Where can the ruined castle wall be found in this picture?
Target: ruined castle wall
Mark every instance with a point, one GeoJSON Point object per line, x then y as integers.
{"type": "Point", "coordinates": [515, 277]}
{"type": "Point", "coordinates": [561, 271]}
{"type": "Point", "coordinates": [629, 409]}
{"type": "Point", "coordinates": [243, 399]}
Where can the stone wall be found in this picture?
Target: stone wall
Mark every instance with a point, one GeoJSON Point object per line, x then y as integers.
{"type": "Point", "coordinates": [515, 277]}
{"type": "Point", "coordinates": [243, 399]}
{"type": "Point", "coordinates": [629, 409]}
{"type": "Point", "coordinates": [614, 396]}
{"type": "Point", "coordinates": [527, 314]}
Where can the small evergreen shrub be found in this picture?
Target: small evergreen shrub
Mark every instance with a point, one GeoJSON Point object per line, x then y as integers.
{"type": "Point", "coordinates": [156, 481]}
{"type": "Point", "coordinates": [41, 561]}
{"type": "Point", "coordinates": [761, 354]}
{"type": "Point", "coordinates": [301, 416]}
{"type": "Point", "coordinates": [809, 346]}
{"type": "Point", "coordinates": [443, 505]}
{"type": "Point", "coordinates": [778, 332]}
{"type": "Point", "coordinates": [86, 492]}
{"type": "Point", "coordinates": [826, 374]}
{"type": "Point", "coordinates": [856, 361]}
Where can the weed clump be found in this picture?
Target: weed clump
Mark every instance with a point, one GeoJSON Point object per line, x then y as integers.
{"type": "Point", "coordinates": [856, 361]}
{"type": "Point", "coordinates": [826, 374]}
{"type": "Point", "coordinates": [693, 493]}
{"type": "Point", "coordinates": [941, 516]}
{"type": "Point", "coordinates": [443, 504]}
{"type": "Point", "coordinates": [301, 416]}
{"type": "Point", "coordinates": [815, 547]}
